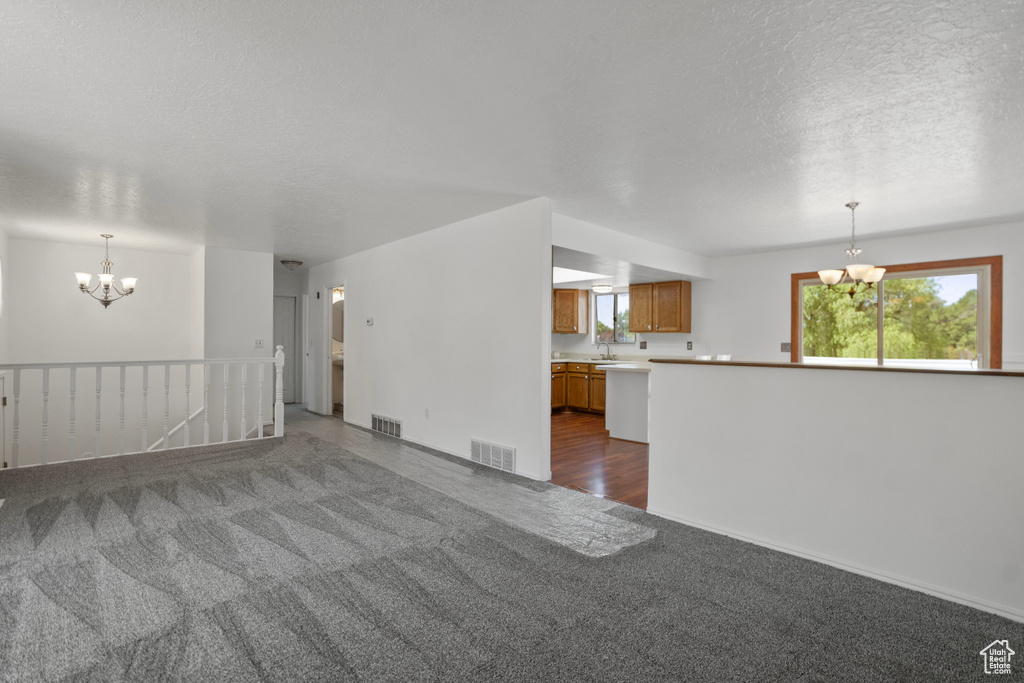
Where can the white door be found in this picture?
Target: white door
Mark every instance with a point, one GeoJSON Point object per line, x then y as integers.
{"type": "Point", "coordinates": [284, 335]}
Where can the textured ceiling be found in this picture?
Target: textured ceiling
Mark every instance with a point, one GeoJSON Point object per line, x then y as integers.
{"type": "Point", "coordinates": [320, 128]}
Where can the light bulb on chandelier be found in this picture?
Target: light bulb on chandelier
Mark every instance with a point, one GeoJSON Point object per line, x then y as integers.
{"type": "Point", "coordinates": [859, 273]}
{"type": "Point", "coordinates": [106, 284]}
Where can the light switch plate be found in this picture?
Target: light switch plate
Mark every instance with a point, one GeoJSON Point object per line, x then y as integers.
{"type": "Point", "coordinates": [643, 345]}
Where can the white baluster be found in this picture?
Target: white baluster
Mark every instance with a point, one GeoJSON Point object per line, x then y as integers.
{"type": "Point", "coordinates": [120, 425]}
{"type": "Point", "coordinates": [225, 428]}
{"type": "Point", "coordinates": [262, 366]}
{"type": "Point", "coordinates": [96, 434]}
{"type": "Point", "coordinates": [71, 418]}
{"type": "Point", "coordinates": [245, 379]}
{"type": "Point", "coordinates": [167, 406]}
{"type": "Point", "coordinates": [206, 403]}
{"type": "Point", "coordinates": [17, 421]}
{"type": "Point", "coordinates": [279, 398]}
{"type": "Point", "coordinates": [45, 455]}
{"type": "Point", "coordinates": [145, 408]}
{"type": "Point", "coordinates": [188, 383]}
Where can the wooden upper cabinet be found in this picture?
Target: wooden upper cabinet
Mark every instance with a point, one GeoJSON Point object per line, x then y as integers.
{"type": "Point", "coordinates": [660, 307]}
{"type": "Point", "coordinates": [570, 309]}
{"type": "Point", "coordinates": [672, 306]}
{"type": "Point", "coordinates": [641, 318]}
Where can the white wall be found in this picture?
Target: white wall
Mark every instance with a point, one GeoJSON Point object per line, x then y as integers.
{"type": "Point", "coordinates": [239, 309]}
{"type": "Point", "coordinates": [52, 321]}
{"type": "Point", "coordinates": [239, 303]}
{"type": "Point", "coordinates": [461, 328]}
{"type": "Point", "coordinates": [5, 295]}
{"type": "Point", "coordinates": [920, 485]}
{"type": "Point", "coordinates": [747, 303]}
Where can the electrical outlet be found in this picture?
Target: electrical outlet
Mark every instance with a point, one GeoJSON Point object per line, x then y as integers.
{"type": "Point", "coordinates": [787, 347]}
{"type": "Point", "coordinates": [689, 346]}
{"type": "Point", "coordinates": [259, 343]}
{"type": "Point", "coordinates": [369, 322]}
{"type": "Point", "coordinates": [643, 345]}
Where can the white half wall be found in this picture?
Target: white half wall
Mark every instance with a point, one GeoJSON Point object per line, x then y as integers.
{"type": "Point", "coordinates": [52, 321]}
{"type": "Point", "coordinates": [919, 486]}
{"type": "Point", "coordinates": [747, 303]}
{"type": "Point", "coordinates": [461, 329]}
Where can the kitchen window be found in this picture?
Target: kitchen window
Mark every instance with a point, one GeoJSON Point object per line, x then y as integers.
{"type": "Point", "coordinates": [612, 319]}
{"type": "Point", "coordinates": [937, 315]}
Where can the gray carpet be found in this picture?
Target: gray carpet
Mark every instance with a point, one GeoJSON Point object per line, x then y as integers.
{"type": "Point", "coordinates": [296, 559]}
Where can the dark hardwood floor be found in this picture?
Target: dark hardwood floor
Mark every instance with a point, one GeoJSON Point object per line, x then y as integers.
{"type": "Point", "coordinates": [585, 458]}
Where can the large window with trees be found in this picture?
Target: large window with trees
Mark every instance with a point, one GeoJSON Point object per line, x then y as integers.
{"type": "Point", "coordinates": [613, 318]}
{"type": "Point", "coordinates": [936, 315]}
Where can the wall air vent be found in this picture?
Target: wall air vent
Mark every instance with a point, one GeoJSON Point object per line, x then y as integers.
{"type": "Point", "coordinates": [387, 425]}
{"type": "Point", "coordinates": [493, 455]}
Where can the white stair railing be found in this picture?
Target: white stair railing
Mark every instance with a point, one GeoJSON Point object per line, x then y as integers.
{"type": "Point", "coordinates": [39, 411]}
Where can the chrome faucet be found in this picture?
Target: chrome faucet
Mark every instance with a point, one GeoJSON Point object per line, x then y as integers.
{"type": "Point", "coordinates": [607, 346]}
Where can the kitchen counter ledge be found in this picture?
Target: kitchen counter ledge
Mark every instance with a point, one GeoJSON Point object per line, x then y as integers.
{"type": "Point", "coordinates": [817, 366]}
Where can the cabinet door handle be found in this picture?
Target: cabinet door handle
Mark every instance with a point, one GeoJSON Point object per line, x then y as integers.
{"type": "Point", "coordinates": [648, 327]}
{"type": "Point", "coordinates": [585, 377]}
{"type": "Point", "coordinates": [656, 327]}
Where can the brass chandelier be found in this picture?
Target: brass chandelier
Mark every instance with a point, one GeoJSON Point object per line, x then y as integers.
{"type": "Point", "coordinates": [859, 273]}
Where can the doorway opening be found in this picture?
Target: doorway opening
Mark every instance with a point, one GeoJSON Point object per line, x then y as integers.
{"type": "Point", "coordinates": [286, 334]}
{"type": "Point", "coordinates": [336, 368]}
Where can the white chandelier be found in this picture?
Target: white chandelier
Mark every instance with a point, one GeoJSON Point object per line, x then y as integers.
{"type": "Point", "coordinates": [106, 282]}
{"type": "Point", "coordinates": [861, 273]}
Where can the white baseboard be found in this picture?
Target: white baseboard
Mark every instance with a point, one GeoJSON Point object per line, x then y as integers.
{"type": "Point", "coordinates": [983, 605]}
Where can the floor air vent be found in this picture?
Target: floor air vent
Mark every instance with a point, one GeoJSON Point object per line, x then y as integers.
{"type": "Point", "coordinates": [387, 425]}
{"type": "Point", "coordinates": [493, 455]}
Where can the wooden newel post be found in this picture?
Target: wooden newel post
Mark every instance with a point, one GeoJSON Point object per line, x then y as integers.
{"type": "Point", "coordinates": [279, 393]}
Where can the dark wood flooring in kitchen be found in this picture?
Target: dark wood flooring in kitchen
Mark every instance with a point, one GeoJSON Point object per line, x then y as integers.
{"type": "Point", "coordinates": [585, 458]}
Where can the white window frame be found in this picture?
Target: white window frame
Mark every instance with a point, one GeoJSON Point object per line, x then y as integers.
{"type": "Point", "coordinates": [615, 313]}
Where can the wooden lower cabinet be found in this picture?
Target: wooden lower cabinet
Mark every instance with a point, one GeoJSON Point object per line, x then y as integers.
{"type": "Point", "coordinates": [557, 389]}
{"type": "Point", "coordinates": [584, 388]}
{"type": "Point", "coordinates": [597, 393]}
{"type": "Point", "coordinates": [577, 391]}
